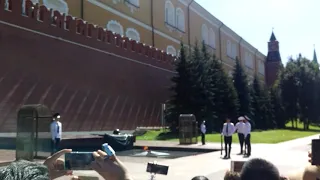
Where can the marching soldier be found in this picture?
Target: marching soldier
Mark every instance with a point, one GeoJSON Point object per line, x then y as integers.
{"type": "Point", "coordinates": [247, 136]}
{"type": "Point", "coordinates": [203, 130]}
{"type": "Point", "coordinates": [240, 129]}
{"type": "Point", "coordinates": [227, 131]}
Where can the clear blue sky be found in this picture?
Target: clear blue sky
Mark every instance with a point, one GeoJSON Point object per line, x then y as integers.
{"type": "Point", "coordinates": [296, 23]}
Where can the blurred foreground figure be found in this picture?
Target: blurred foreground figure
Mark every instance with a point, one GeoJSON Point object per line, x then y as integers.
{"type": "Point", "coordinates": [261, 169]}
{"type": "Point", "coordinates": [199, 178]}
{"type": "Point", "coordinates": [24, 170]}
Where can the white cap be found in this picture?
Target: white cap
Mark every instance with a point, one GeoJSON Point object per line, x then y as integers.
{"type": "Point", "coordinates": [241, 118]}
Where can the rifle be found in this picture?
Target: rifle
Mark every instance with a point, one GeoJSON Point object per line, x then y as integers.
{"type": "Point", "coordinates": [221, 143]}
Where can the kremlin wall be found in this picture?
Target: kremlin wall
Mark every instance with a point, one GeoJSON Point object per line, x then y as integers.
{"type": "Point", "coordinates": [97, 80]}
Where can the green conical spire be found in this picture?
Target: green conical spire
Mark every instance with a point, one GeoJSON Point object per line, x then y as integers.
{"type": "Point", "coordinates": [315, 59]}
{"type": "Point", "coordinates": [273, 37]}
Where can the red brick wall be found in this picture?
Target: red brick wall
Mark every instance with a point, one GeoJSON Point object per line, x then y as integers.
{"type": "Point", "coordinates": [74, 73]}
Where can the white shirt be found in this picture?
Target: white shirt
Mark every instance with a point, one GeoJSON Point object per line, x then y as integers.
{"type": "Point", "coordinates": [203, 128]}
{"type": "Point", "coordinates": [56, 130]}
{"type": "Point", "coordinates": [247, 129]}
{"type": "Point", "coordinates": [228, 129]}
{"type": "Point", "coordinates": [240, 127]}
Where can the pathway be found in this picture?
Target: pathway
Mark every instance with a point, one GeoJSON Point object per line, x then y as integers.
{"type": "Point", "coordinates": [288, 156]}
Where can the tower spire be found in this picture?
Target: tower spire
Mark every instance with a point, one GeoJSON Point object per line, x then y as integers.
{"type": "Point", "coordinates": [315, 59]}
{"type": "Point", "coordinates": [273, 37]}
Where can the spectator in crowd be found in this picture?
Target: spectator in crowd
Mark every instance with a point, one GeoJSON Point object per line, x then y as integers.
{"type": "Point", "coordinates": [109, 168]}
{"type": "Point", "coordinates": [308, 173]}
{"type": "Point", "coordinates": [52, 168]}
{"type": "Point", "coordinates": [232, 176]}
{"type": "Point", "coordinates": [255, 169]}
{"type": "Point", "coordinates": [199, 178]}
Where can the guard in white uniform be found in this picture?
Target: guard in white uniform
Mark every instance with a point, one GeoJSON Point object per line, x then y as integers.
{"type": "Point", "coordinates": [240, 129]}
{"type": "Point", "coordinates": [56, 133]}
{"type": "Point", "coordinates": [247, 136]}
{"type": "Point", "coordinates": [203, 130]}
{"type": "Point", "coordinates": [227, 131]}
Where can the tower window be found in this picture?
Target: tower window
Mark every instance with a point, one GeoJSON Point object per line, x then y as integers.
{"type": "Point", "coordinates": [180, 19]}
{"type": "Point", "coordinates": [204, 33]}
{"type": "Point", "coordinates": [249, 60]}
{"type": "Point", "coordinates": [115, 27]}
{"type": "Point", "coordinates": [133, 34]}
{"type": "Point", "coordinates": [234, 51]}
{"type": "Point", "coordinates": [261, 67]}
{"type": "Point", "coordinates": [171, 50]}
{"type": "Point", "coordinates": [58, 5]}
{"type": "Point", "coordinates": [134, 2]}
{"type": "Point", "coordinates": [229, 48]}
{"type": "Point", "coordinates": [169, 13]}
{"type": "Point", "coordinates": [212, 38]}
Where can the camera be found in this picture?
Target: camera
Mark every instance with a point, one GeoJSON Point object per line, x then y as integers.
{"type": "Point", "coordinates": [157, 169]}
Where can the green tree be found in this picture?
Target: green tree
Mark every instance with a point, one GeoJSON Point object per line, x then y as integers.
{"type": "Point", "coordinates": [209, 74]}
{"type": "Point", "coordinates": [278, 109]}
{"type": "Point", "coordinates": [262, 110]}
{"type": "Point", "coordinates": [305, 83]}
{"type": "Point", "coordinates": [198, 70]}
{"type": "Point", "coordinates": [299, 90]}
{"type": "Point", "coordinates": [181, 101]}
{"type": "Point", "coordinates": [241, 85]}
{"type": "Point", "coordinates": [225, 96]}
{"type": "Point", "coordinates": [289, 91]}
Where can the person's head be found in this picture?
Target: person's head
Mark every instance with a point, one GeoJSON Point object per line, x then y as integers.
{"type": "Point", "coordinates": [259, 169]}
{"type": "Point", "coordinates": [199, 178]}
{"type": "Point", "coordinates": [241, 119]}
{"type": "Point", "coordinates": [227, 119]}
{"type": "Point", "coordinates": [203, 122]}
{"type": "Point", "coordinates": [56, 116]}
{"type": "Point", "coordinates": [246, 119]}
{"type": "Point", "coordinates": [24, 170]}
{"type": "Point", "coordinates": [231, 176]}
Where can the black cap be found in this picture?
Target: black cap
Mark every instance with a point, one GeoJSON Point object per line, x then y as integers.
{"type": "Point", "coordinates": [56, 115]}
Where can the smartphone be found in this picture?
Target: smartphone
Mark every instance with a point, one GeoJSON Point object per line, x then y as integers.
{"type": "Point", "coordinates": [108, 149]}
{"type": "Point", "coordinates": [315, 149]}
{"type": "Point", "coordinates": [157, 169]}
{"type": "Point", "coordinates": [78, 160]}
{"type": "Point", "coordinates": [236, 166]}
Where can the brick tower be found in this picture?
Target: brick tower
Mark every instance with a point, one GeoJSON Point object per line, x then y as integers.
{"type": "Point", "coordinates": [273, 61]}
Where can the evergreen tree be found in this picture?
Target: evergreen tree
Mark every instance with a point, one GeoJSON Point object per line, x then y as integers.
{"type": "Point", "coordinates": [226, 99]}
{"type": "Point", "coordinates": [289, 92]}
{"type": "Point", "coordinates": [181, 101]}
{"type": "Point", "coordinates": [241, 85]}
{"type": "Point", "coordinates": [277, 106]}
{"type": "Point", "coordinates": [198, 86]}
{"type": "Point", "coordinates": [262, 109]}
{"type": "Point", "coordinates": [209, 74]}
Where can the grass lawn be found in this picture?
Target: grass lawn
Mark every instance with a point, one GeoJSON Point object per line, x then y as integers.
{"type": "Point", "coordinates": [270, 136]}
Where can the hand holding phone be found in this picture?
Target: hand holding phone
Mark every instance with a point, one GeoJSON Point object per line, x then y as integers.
{"type": "Point", "coordinates": [78, 160]}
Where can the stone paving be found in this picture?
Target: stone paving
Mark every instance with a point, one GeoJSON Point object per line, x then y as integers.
{"type": "Point", "coordinates": [288, 156]}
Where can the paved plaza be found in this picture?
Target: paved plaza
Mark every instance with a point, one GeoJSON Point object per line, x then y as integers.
{"type": "Point", "coordinates": [288, 156]}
